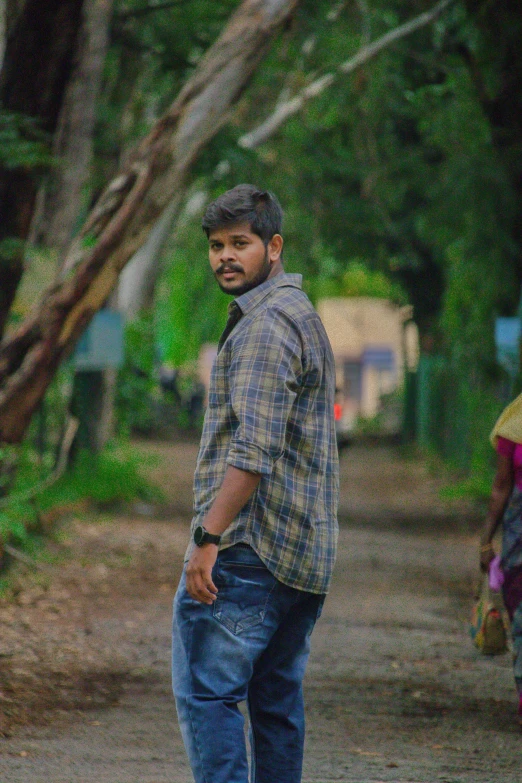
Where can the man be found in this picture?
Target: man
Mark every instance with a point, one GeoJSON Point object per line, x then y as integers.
{"type": "Point", "coordinates": [264, 532]}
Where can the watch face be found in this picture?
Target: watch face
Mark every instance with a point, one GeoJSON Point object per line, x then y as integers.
{"type": "Point", "coordinates": [199, 534]}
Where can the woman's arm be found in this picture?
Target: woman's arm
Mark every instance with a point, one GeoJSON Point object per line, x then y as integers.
{"type": "Point", "coordinates": [500, 493]}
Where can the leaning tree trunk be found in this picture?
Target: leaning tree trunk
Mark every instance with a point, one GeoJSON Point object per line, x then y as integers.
{"type": "Point", "coordinates": [156, 173]}
{"type": "Point", "coordinates": [37, 62]}
{"type": "Point", "coordinates": [138, 280]}
{"type": "Point", "coordinates": [73, 142]}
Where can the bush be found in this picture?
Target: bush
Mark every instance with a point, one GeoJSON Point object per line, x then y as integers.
{"type": "Point", "coordinates": [114, 476]}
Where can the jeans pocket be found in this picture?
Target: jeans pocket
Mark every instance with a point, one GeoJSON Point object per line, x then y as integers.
{"type": "Point", "coordinates": [244, 592]}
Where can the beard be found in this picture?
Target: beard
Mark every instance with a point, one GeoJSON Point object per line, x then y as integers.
{"type": "Point", "coordinates": [237, 289]}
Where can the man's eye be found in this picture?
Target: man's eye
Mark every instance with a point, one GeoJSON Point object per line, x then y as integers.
{"type": "Point", "coordinates": [240, 243]}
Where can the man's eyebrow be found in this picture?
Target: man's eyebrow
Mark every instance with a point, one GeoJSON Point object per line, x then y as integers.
{"type": "Point", "coordinates": [233, 236]}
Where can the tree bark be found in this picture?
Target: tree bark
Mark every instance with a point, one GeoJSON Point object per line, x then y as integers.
{"type": "Point", "coordinates": [40, 44]}
{"type": "Point", "coordinates": [73, 141]}
{"type": "Point", "coordinates": [156, 173]}
{"type": "Point", "coordinates": [3, 30]}
{"type": "Point", "coordinates": [138, 280]}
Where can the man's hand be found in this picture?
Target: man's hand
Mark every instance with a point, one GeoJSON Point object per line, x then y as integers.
{"type": "Point", "coordinates": [237, 487]}
{"type": "Point", "coordinates": [199, 574]}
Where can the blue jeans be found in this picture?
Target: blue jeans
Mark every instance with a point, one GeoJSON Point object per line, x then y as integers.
{"type": "Point", "coordinates": [252, 645]}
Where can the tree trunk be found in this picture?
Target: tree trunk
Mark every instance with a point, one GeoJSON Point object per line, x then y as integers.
{"type": "Point", "coordinates": [73, 141]}
{"type": "Point", "coordinates": [40, 44]}
{"type": "Point", "coordinates": [119, 223]}
{"type": "Point", "coordinates": [92, 403]}
{"type": "Point", "coordinates": [138, 280]}
{"type": "Point", "coordinates": [3, 30]}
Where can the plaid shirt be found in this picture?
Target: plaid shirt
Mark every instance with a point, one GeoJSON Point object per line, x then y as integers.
{"type": "Point", "coordinates": [270, 411]}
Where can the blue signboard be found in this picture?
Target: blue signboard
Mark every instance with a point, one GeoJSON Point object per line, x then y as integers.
{"type": "Point", "coordinates": [507, 340]}
{"type": "Point", "coordinates": [101, 345]}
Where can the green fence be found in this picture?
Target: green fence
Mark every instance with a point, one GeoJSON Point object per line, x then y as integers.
{"type": "Point", "coordinates": [450, 414]}
{"type": "Point", "coordinates": [443, 411]}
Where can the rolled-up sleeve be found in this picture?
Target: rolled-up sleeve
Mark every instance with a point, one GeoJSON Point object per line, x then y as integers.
{"type": "Point", "coordinates": [265, 374]}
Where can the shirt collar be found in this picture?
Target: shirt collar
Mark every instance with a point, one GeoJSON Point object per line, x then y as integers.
{"type": "Point", "coordinates": [247, 302]}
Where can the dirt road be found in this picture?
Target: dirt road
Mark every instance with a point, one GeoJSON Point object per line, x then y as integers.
{"type": "Point", "coordinates": [395, 690]}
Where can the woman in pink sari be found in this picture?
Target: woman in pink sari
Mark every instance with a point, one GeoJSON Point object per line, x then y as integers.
{"type": "Point", "coordinates": [505, 508]}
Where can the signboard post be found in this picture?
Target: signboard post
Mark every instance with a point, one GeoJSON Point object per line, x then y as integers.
{"type": "Point", "coordinates": [101, 345]}
{"type": "Point", "coordinates": [99, 349]}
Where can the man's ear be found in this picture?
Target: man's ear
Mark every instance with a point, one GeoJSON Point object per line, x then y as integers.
{"type": "Point", "coordinates": [275, 248]}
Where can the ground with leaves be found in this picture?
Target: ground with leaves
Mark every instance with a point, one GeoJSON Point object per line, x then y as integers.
{"type": "Point", "coordinates": [395, 690]}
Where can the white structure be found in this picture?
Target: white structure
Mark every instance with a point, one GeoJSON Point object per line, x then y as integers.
{"type": "Point", "coordinates": [373, 341]}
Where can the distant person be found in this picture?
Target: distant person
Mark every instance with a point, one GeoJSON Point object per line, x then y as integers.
{"type": "Point", "coordinates": [264, 532]}
{"type": "Point", "coordinates": [505, 506]}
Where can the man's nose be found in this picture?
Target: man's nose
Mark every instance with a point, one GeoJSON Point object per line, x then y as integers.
{"type": "Point", "coordinates": [228, 253]}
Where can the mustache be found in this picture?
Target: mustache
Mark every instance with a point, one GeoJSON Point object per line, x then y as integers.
{"type": "Point", "coordinates": [228, 268]}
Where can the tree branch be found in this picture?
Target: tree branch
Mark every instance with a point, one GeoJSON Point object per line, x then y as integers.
{"type": "Point", "coordinates": [286, 110]}
{"type": "Point", "coordinates": [155, 174]}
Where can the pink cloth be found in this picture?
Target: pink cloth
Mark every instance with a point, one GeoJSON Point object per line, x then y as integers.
{"type": "Point", "coordinates": [514, 451]}
{"type": "Point", "coordinates": [496, 575]}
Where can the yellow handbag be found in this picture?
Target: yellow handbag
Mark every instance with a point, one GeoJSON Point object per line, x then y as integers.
{"type": "Point", "coordinates": [487, 627]}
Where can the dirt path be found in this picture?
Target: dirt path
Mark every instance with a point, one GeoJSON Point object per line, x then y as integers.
{"type": "Point", "coordinates": [395, 690]}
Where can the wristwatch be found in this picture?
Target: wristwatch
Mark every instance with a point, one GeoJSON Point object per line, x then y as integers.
{"type": "Point", "coordinates": [202, 536]}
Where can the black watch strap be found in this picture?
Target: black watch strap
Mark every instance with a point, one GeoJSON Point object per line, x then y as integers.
{"type": "Point", "coordinates": [202, 536]}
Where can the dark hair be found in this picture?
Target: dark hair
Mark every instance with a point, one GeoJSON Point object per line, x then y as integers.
{"type": "Point", "coordinates": [245, 204]}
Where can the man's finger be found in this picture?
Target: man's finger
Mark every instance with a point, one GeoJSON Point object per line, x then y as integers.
{"type": "Point", "coordinates": [199, 591]}
{"type": "Point", "coordinates": [211, 586]}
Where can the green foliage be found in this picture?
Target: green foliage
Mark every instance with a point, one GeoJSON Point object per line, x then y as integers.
{"type": "Point", "coordinates": [113, 476]}
{"type": "Point", "coordinates": [16, 520]}
{"type": "Point", "coordinates": [22, 143]}
{"type": "Point", "coordinates": [360, 280]}
{"type": "Point", "coordinates": [136, 378]}
{"type": "Point", "coordinates": [355, 278]}
{"type": "Point", "coordinates": [152, 54]}
{"type": "Point", "coordinates": [401, 180]}
{"type": "Point", "coordinates": [11, 249]}
{"type": "Point", "coordinates": [476, 487]}
{"type": "Point", "coordinates": [88, 241]}
{"type": "Point", "coordinates": [191, 310]}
